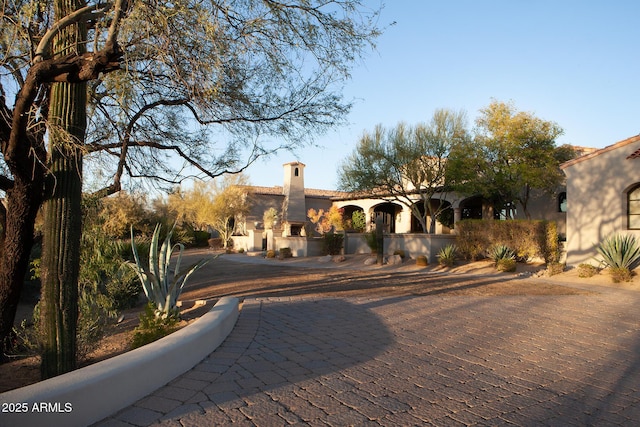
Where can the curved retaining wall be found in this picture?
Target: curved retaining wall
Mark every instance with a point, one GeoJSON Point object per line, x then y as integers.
{"type": "Point", "coordinates": [90, 394]}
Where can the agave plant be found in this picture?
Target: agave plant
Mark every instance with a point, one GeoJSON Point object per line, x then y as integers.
{"type": "Point", "coordinates": [620, 251]}
{"type": "Point", "coordinates": [500, 252]}
{"type": "Point", "coordinates": [160, 285]}
{"type": "Point", "coordinates": [447, 255]}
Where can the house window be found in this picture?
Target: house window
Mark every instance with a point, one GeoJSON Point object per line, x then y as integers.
{"type": "Point", "coordinates": [562, 202]}
{"type": "Point", "coordinates": [296, 172]}
{"type": "Point", "coordinates": [633, 208]}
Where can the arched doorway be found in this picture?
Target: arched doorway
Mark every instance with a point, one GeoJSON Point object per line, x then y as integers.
{"type": "Point", "coordinates": [471, 208]}
{"type": "Point", "coordinates": [388, 213]}
{"type": "Point", "coordinates": [347, 216]}
{"type": "Point", "coordinates": [445, 217]}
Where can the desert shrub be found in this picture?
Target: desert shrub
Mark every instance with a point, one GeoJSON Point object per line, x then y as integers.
{"type": "Point", "coordinates": [123, 288]}
{"type": "Point", "coordinates": [359, 221]}
{"type": "Point", "coordinates": [285, 253]}
{"type": "Point", "coordinates": [152, 328]}
{"type": "Point", "coordinates": [215, 243]}
{"type": "Point", "coordinates": [506, 265]}
{"type": "Point", "coordinates": [550, 245]}
{"type": "Point", "coordinates": [114, 286]}
{"type": "Point", "coordinates": [447, 255]}
{"type": "Point", "coordinates": [422, 261]}
{"type": "Point", "coordinates": [201, 238]}
{"type": "Point", "coordinates": [104, 286]}
{"type": "Point", "coordinates": [471, 240]}
{"type": "Point", "coordinates": [94, 315]}
{"type": "Point", "coordinates": [500, 252]}
{"type": "Point", "coordinates": [587, 270]}
{"type": "Point", "coordinates": [332, 243]}
{"type": "Point", "coordinates": [527, 239]}
{"type": "Point", "coordinates": [25, 340]}
{"type": "Point", "coordinates": [269, 218]}
{"type": "Point", "coordinates": [142, 243]}
{"type": "Point", "coordinates": [399, 252]}
{"type": "Point", "coordinates": [554, 268]}
{"type": "Point", "coordinates": [620, 274]}
{"type": "Point", "coordinates": [372, 241]}
{"type": "Point", "coordinates": [271, 253]}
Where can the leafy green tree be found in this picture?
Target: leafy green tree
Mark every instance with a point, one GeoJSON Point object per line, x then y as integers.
{"type": "Point", "coordinates": [193, 74]}
{"type": "Point", "coordinates": [359, 221]}
{"type": "Point", "coordinates": [117, 213]}
{"type": "Point", "coordinates": [511, 153]}
{"type": "Point", "coordinates": [219, 204]}
{"type": "Point", "coordinates": [192, 207]}
{"type": "Point", "coordinates": [405, 163]}
{"type": "Point", "coordinates": [231, 204]}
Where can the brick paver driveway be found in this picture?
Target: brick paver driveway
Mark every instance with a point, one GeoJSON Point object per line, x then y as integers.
{"type": "Point", "coordinates": [434, 360]}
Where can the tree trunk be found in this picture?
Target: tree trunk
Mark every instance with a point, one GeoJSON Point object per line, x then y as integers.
{"type": "Point", "coordinates": [63, 211]}
{"type": "Point", "coordinates": [432, 224]}
{"type": "Point", "coordinates": [23, 202]}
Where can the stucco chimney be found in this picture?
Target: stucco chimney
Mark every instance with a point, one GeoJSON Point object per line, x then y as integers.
{"type": "Point", "coordinates": [294, 209]}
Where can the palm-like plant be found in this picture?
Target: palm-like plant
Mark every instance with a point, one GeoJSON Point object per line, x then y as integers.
{"type": "Point", "coordinates": [500, 252]}
{"type": "Point", "coordinates": [161, 287]}
{"type": "Point", "coordinates": [447, 255]}
{"type": "Point", "coordinates": [620, 251]}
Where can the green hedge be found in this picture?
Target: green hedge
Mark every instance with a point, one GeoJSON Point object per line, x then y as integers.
{"type": "Point", "coordinates": [527, 239]}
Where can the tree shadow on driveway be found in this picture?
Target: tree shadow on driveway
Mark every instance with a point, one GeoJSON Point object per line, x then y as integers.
{"type": "Point", "coordinates": [276, 346]}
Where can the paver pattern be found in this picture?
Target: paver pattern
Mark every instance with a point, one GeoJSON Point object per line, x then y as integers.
{"type": "Point", "coordinates": [421, 360]}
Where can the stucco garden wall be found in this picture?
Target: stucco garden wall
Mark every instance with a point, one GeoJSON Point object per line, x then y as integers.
{"type": "Point", "coordinates": [89, 394]}
{"type": "Point", "coordinates": [418, 244]}
{"type": "Point", "coordinates": [300, 246]}
{"type": "Point", "coordinates": [412, 244]}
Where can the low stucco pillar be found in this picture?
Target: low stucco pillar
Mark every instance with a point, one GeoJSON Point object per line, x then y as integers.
{"type": "Point", "coordinates": [457, 215]}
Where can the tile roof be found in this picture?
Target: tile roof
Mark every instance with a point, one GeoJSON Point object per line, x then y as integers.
{"type": "Point", "coordinates": [277, 190]}
{"type": "Point", "coordinates": [595, 153]}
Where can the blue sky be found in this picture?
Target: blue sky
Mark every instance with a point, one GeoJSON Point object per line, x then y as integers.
{"type": "Point", "coordinates": [576, 63]}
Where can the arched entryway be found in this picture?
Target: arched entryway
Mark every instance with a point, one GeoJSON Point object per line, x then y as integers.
{"type": "Point", "coordinates": [347, 216]}
{"type": "Point", "coordinates": [445, 217]}
{"type": "Point", "coordinates": [471, 208]}
{"type": "Point", "coordinates": [388, 213]}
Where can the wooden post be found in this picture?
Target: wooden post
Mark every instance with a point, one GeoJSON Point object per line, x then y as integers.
{"type": "Point", "coordinates": [379, 240]}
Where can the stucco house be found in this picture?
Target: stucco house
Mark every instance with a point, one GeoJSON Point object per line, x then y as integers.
{"type": "Point", "coordinates": [603, 198]}
{"type": "Point", "coordinates": [292, 202]}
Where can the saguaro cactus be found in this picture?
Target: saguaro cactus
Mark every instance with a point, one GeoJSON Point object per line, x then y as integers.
{"type": "Point", "coordinates": [63, 214]}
